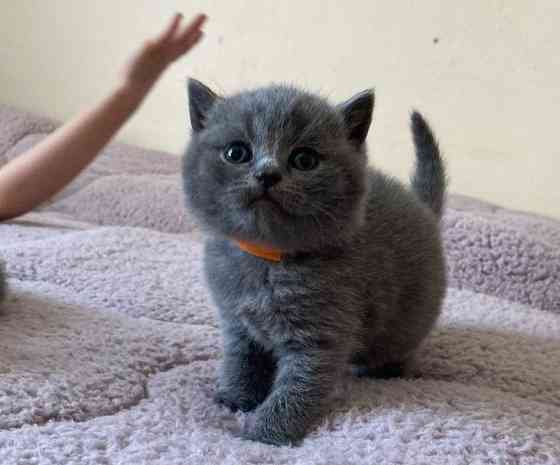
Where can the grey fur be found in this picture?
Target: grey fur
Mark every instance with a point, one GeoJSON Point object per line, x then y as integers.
{"type": "Point", "coordinates": [363, 275]}
{"type": "Point", "coordinates": [429, 179]}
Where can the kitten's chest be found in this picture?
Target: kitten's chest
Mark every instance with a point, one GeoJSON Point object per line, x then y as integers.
{"type": "Point", "coordinates": [265, 297]}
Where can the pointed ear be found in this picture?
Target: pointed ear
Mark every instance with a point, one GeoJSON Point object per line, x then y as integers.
{"type": "Point", "coordinates": [357, 113]}
{"type": "Point", "coordinates": [201, 100]}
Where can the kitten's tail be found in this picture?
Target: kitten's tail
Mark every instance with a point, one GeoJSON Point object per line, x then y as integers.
{"type": "Point", "coordinates": [429, 179]}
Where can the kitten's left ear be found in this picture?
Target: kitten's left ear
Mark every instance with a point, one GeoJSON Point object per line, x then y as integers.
{"type": "Point", "coordinates": [201, 100]}
{"type": "Point", "coordinates": [357, 113]}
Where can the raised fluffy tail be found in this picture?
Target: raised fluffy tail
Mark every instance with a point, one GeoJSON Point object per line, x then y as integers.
{"type": "Point", "coordinates": [428, 180]}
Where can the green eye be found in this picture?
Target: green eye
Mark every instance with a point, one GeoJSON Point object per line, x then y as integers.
{"type": "Point", "coordinates": [237, 153]}
{"type": "Point", "coordinates": [304, 159]}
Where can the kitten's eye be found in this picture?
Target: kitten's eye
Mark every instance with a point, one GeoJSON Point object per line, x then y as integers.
{"type": "Point", "coordinates": [304, 159]}
{"type": "Point", "coordinates": [237, 153]}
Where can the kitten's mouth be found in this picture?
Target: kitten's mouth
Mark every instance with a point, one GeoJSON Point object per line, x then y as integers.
{"type": "Point", "coordinates": [265, 198]}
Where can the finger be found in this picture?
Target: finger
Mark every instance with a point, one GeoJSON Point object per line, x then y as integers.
{"type": "Point", "coordinates": [186, 45]}
{"type": "Point", "coordinates": [195, 39]}
{"type": "Point", "coordinates": [193, 28]}
{"type": "Point", "coordinates": [171, 28]}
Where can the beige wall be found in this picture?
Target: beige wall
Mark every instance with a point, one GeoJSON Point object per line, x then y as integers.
{"type": "Point", "coordinates": [486, 73]}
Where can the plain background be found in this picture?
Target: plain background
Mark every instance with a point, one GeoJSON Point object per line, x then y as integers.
{"type": "Point", "coordinates": [485, 72]}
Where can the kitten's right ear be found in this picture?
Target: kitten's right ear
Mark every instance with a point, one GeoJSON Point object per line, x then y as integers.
{"type": "Point", "coordinates": [201, 100]}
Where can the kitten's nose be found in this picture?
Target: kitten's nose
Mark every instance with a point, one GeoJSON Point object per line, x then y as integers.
{"type": "Point", "coordinates": [268, 178]}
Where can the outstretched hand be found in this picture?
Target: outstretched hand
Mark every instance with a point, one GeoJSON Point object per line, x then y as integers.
{"type": "Point", "coordinates": [147, 65]}
{"type": "Point", "coordinates": [42, 171]}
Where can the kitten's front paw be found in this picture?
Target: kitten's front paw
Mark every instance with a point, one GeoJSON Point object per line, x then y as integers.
{"type": "Point", "coordinates": [259, 429]}
{"type": "Point", "coordinates": [235, 400]}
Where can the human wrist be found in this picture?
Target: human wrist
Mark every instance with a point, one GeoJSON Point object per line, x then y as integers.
{"type": "Point", "coordinates": [130, 93]}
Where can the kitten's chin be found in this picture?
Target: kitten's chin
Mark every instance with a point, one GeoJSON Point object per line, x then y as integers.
{"type": "Point", "coordinates": [264, 220]}
{"type": "Point", "coordinates": [269, 227]}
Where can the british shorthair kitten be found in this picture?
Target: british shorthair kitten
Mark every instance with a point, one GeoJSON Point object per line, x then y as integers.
{"type": "Point", "coordinates": [314, 260]}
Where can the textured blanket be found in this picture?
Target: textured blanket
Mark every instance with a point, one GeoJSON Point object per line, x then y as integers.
{"type": "Point", "coordinates": [109, 346]}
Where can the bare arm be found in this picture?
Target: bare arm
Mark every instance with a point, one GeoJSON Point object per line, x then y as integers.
{"type": "Point", "coordinates": [45, 169]}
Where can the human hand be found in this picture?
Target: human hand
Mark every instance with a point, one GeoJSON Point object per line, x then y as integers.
{"type": "Point", "coordinates": [147, 65]}
{"type": "Point", "coordinates": [42, 171]}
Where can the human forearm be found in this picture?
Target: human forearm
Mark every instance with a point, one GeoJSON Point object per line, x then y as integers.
{"type": "Point", "coordinates": [47, 168]}
{"type": "Point", "coordinates": [37, 175]}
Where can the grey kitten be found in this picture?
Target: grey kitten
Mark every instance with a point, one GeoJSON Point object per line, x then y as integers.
{"type": "Point", "coordinates": [362, 275]}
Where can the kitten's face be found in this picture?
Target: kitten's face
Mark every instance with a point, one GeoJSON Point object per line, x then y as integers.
{"type": "Point", "coordinates": [277, 166]}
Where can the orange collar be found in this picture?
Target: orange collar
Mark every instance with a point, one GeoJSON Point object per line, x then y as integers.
{"type": "Point", "coordinates": [273, 255]}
